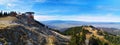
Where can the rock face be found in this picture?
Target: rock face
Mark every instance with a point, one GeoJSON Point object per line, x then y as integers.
{"type": "Point", "coordinates": [21, 30]}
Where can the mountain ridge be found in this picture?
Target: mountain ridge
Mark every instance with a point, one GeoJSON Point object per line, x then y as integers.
{"type": "Point", "coordinates": [89, 35]}
{"type": "Point", "coordinates": [22, 30]}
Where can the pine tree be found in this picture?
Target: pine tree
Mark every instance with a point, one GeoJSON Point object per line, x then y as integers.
{"type": "Point", "coordinates": [0, 14]}
{"type": "Point", "coordinates": [5, 14]}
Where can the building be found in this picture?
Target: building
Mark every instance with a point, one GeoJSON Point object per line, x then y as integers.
{"type": "Point", "coordinates": [30, 14]}
{"type": "Point", "coordinates": [30, 17]}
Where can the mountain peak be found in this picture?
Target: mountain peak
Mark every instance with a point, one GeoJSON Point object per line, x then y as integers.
{"type": "Point", "coordinates": [24, 30]}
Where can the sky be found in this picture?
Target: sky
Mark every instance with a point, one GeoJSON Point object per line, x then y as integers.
{"type": "Point", "coordinates": [76, 10]}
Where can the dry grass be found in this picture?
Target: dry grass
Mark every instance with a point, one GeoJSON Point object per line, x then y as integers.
{"type": "Point", "coordinates": [94, 32]}
{"type": "Point", "coordinates": [8, 18]}
{"type": "Point", "coordinates": [6, 21]}
{"type": "Point", "coordinates": [51, 40]}
{"type": "Point", "coordinates": [88, 36]}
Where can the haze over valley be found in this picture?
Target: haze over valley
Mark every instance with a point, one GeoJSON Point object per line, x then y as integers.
{"type": "Point", "coordinates": [63, 24]}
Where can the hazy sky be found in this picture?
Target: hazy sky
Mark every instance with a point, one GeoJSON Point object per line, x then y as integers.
{"type": "Point", "coordinates": [79, 10]}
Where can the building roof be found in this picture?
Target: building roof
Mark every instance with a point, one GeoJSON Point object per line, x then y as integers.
{"type": "Point", "coordinates": [30, 12]}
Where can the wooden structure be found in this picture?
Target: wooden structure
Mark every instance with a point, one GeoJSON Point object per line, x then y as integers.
{"type": "Point", "coordinates": [30, 17]}
{"type": "Point", "coordinates": [30, 14]}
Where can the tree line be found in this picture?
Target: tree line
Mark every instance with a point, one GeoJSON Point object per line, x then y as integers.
{"type": "Point", "coordinates": [12, 13]}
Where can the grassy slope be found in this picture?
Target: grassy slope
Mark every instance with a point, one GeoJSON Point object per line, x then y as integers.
{"type": "Point", "coordinates": [91, 34]}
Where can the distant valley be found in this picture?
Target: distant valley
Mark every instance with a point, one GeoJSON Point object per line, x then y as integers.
{"type": "Point", "coordinates": [62, 25]}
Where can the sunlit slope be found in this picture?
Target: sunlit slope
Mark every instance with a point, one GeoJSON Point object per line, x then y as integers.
{"type": "Point", "coordinates": [89, 35]}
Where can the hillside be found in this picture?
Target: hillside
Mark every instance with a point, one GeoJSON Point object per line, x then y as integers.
{"type": "Point", "coordinates": [23, 30]}
{"type": "Point", "coordinates": [89, 35]}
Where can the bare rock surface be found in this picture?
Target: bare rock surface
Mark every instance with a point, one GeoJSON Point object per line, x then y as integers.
{"type": "Point", "coordinates": [21, 30]}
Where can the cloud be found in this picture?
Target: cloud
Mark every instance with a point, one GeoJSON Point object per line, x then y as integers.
{"type": "Point", "coordinates": [43, 17]}
{"type": "Point", "coordinates": [41, 1]}
{"type": "Point", "coordinates": [108, 8]}
{"type": "Point", "coordinates": [8, 2]}
{"type": "Point", "coordinates": [10, 5]}
{"type": "Point", "coordinates": [17, 5]}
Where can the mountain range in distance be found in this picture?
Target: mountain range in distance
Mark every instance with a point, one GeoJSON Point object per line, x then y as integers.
{"type": "Point", "coordinates": [61, 25]}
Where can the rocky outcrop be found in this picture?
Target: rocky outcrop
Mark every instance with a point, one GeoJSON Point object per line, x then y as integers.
{"type": "Point", "coordinates": [21, 30]}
